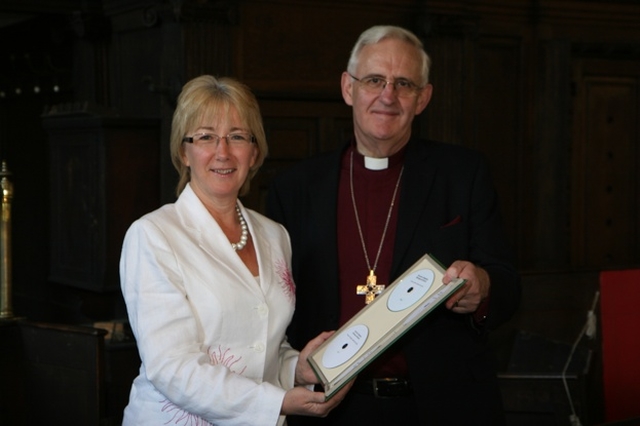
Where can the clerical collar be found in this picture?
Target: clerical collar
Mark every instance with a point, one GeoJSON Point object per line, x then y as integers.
{"type": "Point", "coordinates": [372, 163]}
{"type": "Point", "coordinates": [376, 164]}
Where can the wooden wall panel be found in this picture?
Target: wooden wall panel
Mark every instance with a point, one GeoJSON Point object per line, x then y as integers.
{"type": "Point", "coordinates": [498, 118]}
{"type": "Point", "coordinates": [135, 57]}
{"type": "Point", "coordinates": [545, 203]}
{"type": "Point", "coordinates": [299, 49]}
{"type": "Point", "coordinates": [606, 196]}
{"type": "Point", "coordinates": [611, 174]}
{"type": "Point", "coordinates": [297, 130]}
{"type": "Point", "coordinates": [292, 139]}
{"type": "Point", "coordinates": [451, 75]}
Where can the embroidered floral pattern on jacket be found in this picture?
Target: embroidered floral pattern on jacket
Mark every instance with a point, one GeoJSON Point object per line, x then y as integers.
{"type": "Point", "coordinates": [220, 357]}
{"type": "Point", "coordinates": [184, 418]}
{"type": "Point", "coordinates": [287, 283]}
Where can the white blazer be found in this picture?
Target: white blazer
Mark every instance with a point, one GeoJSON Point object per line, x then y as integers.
{"type": "Point", "coordinates": [210, 335]}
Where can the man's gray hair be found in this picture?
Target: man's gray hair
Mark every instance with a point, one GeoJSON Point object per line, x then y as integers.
{"type": "Point", "coordinates": [381, 32]}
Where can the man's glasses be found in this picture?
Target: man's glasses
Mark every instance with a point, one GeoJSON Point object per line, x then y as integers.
{"type": "Point", "coordinates": [375, 84]}
{"type": "Point", "coordinates": [210, 141]}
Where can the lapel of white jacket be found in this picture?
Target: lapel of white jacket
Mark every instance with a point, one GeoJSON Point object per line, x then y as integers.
{"type": "Point", "coordinates": [262, 242]}
{"type": "Point", "coordinates": [198, 221]}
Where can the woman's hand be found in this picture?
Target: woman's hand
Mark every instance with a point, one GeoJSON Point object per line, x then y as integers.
{"type": "Point", "coordinates": [304, 373]}
{"type": "Point", "coordinates": [304, 402]}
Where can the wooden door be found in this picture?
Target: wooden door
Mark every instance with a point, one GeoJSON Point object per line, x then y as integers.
{"type": "Point", "coordinates": [605, 184]}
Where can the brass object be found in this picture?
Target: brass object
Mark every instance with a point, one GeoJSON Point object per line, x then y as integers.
{"type": "Point", "coordinates": [6, 310]}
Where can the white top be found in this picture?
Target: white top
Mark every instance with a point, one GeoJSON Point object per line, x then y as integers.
{"type": "Point", "coordinates": [211, 339]}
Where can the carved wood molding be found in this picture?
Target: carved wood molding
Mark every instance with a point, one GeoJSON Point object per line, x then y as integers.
{"type": "Point", "coordinates": [151, 14]}
{"type": "Point", "coordinates": [607, 50]}
{"type": "Point", "coordinates": [600, 13]}
{"type": "Point", "coordinates": [42, 7]}
{"type": "Point", "coordinates": [210, 11]}
{"type": "Point", "coordinates": [435, 25]}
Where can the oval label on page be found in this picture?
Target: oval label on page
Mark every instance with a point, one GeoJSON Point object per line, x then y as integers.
{"type": "Point", "coordinates": [345, 345]}
{"type": "Point", "coordinates": [411, 289]}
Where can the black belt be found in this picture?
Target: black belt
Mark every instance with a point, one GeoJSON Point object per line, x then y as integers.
{"type": "Point", "coordinates": [389, 387]}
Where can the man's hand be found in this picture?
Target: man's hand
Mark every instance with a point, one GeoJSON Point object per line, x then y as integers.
{"type": "Point", "coordinates": [467, 299]}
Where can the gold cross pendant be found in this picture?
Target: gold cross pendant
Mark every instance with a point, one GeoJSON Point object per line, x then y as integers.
{"type": "Point", "coordinates": [371, 289]}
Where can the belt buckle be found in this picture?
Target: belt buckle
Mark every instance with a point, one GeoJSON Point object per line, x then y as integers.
{"type": "Point", "coordinates": [377, 387]}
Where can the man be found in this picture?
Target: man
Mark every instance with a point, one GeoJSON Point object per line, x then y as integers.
{"type": "Point", "coordinates": [372, 210]}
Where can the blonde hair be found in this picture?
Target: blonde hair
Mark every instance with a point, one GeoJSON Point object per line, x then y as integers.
{"type": "Point", "coordinates": [207, 96]}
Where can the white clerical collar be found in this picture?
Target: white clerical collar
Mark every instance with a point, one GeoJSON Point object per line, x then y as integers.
{"type": "Point", "coordinates": [372, 163]}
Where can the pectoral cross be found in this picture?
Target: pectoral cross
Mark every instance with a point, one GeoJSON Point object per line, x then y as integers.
{"type": "Point", "coordinates": [371, 289]}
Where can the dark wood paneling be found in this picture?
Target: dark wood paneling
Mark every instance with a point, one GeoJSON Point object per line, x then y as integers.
{"type": "Point", "coordinates": [498, 112]}
{"type": "Point", "coordinates": [104, 175]}
{"type": "Point", "coordinates": [299, 49]}
{"type": "Point", "coordinates": [12, 387]}
{"type": "Point", "coordinates": [59, 374]}
{"type": "Point", "coordinates": [606, 197]}
{"type": "Point", "coordinates": [296, 130]}
{"type": "Point", "coordinates": [445, 119]}
{"type": "Point", "coordinates": [545, 238]}
{"type": "Point", "coordinates": [611, 176]}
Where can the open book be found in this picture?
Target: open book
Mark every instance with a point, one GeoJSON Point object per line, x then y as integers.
{"type": "Point", "coordinates": [394, 312]}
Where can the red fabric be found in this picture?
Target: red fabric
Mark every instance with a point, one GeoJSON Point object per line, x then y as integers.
{"type": "Point", "coordinates": [620, 321]}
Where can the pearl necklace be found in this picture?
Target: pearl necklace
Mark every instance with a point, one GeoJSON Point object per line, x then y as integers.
{"type": "Point", "coordinates": [244, 236]}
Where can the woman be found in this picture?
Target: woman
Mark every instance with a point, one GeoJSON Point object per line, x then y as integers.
{"type": "Point", "coordinates": [208, 284]}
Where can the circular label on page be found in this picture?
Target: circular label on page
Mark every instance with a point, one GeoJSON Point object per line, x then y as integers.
{"type": "Point", "coordinates": [345, 345]}
{"type": "Point", "coordinates": [411, 289]}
